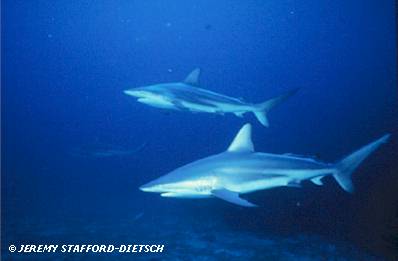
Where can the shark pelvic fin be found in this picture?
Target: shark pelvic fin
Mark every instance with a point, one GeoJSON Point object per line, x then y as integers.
{"type": "Point", "coordinates": [193, 77]}
{"type": "Point", "coordinates": [232, 197]}
{"type": "Point", "coordinates": [317, 181]}
{"type": "Point", "coordinates": [239, 114]}
{"type": "Point", "coordinates": [243, 140]}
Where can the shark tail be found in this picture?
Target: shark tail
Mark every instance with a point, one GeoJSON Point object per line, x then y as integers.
{"type": "Point", "coordinates": [261, 109]}
{"type": "Point", "coordinates": [347, 166]}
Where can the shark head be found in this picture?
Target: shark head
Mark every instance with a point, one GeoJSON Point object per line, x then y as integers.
{"type": "Point", "coordinates": [199, 178]}
{"type": "Point", "coordinates": [183, 189]}
{"type": "Point", "coordinates": [153, 95]}
{"type": "Point", "coordinates": [166, 183]}
{"type": "Point", "coordinates": [180, 181]}
{"type": "Point", "coordinates": [160, 95]}
{"type": "Point", "coordinates": [146, 92]}
{"type": "Point", "coordinates": [153, 186]}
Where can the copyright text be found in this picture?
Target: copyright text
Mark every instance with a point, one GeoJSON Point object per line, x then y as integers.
{"type": "Point", "coordinates": [51, 248]}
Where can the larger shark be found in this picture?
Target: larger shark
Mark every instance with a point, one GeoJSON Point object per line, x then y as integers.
{"type": "Point", "coordinates": [241, 170]}
{"type": "Point", "coordinates": [187, 96]}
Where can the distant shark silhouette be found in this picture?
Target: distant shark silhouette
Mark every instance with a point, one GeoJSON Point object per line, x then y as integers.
{"type": "Point", "coordinates": [187, 96]}
{"type": "Point", "coordinates": [241, 170]}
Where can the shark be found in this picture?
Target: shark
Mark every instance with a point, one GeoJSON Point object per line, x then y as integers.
{"type": "Point", "coordinates": [241, 170]}
{"type": "Point", "coordinates": [188, 96]}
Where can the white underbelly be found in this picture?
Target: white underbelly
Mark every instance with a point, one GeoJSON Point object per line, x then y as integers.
{"type": "Point", "coordinates": [157, 102]}
{"type": "Point", "coordinates": [251, 186]}
{"type": "Point", "coordinates": [186, 194]}
{"type": "Point", "coordinates": [195, 107]}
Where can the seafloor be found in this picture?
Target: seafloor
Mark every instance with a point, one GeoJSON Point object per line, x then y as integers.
{"type": "Point", "coordinates": [183, 240]}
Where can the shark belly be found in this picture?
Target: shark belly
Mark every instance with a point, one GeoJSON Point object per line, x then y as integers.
{"type": "Point", "coordinates": [231, 107]}
{"type": "Point", "coordinates": [255, 185]}
{"type": "Point", "coordinates": [209, 104]}
{"type": "Point", "coordinates": [221, 108]}
{"type": "Point", "coordinates": [197, 107]}
{"type": "Point", "coordinates": [158, 102]}
{"type": "Point", "coordinates": [261, 172]}
{"type": "Point", "coordinates": [186, 194]}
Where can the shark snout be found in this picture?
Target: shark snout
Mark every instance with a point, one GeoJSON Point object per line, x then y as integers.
{"type": "Point", "coordinates": [150, 187]}
{"type": "Point", "coordinates": [145, 188]}
{"type": "Point", "coordinates": [135, 92]}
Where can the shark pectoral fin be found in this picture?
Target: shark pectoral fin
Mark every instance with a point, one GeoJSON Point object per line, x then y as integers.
{"type": "Point", "coordinates": [231, 197]}
{"type": "Point", "coordinates": [317, 181]}
{"type": "Point", "coordinates": [193, 77]}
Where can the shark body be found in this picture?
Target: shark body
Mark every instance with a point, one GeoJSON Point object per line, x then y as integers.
{"type": "Point", "coordinates": [241, 170]}
{"type": "Point", "coordinates": [187, 96]}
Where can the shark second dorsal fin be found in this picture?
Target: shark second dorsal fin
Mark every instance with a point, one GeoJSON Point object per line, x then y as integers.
{"type": "Point", "coordinates": [193, 77]}
{"type": "Point", "coordinates": [243, 140]}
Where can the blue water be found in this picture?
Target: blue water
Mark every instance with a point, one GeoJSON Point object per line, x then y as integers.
{"type": "Point", "coordinates": [65, 65]}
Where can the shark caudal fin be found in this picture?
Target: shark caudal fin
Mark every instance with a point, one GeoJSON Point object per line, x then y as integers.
{"type": "Point", "coordinates": [260, 110]}
{"type": "Point", "coordinates": [347, 166]}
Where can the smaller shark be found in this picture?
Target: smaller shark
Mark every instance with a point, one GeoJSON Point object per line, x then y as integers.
{"type": "Point", "coordinates": [241, 170]}
{"type": "Point", "coordinates": [187, 96]}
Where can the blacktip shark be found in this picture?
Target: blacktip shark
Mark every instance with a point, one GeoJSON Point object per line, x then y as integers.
{"type": "Point", "coordinates": [187, 96]}
{"type": "Point", "coordinates": [241, 170]}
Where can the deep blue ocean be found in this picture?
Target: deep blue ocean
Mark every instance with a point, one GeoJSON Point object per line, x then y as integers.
{"type": "Point", "coordinates": [66, 123]}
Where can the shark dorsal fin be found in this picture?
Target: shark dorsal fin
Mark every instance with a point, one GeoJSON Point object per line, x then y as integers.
{"type": "Point", "coordinates": [193, 77]}
{"type": "Point", "coordinates": [243, 140]}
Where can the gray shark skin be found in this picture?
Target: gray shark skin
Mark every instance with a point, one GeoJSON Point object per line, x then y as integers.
{"type": "Point", "coordinates": [241, 170]}
{"type": "Point", "coordinates": [187, 96]}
